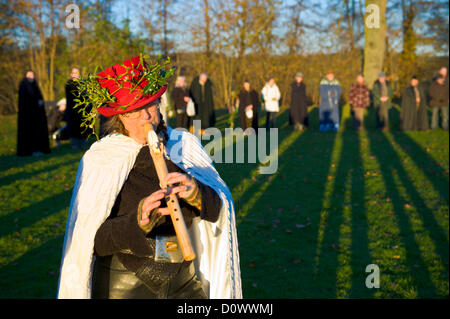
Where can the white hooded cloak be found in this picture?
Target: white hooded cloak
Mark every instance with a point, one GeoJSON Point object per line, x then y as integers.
{"type": "Point", "coordinates": [101, 174]}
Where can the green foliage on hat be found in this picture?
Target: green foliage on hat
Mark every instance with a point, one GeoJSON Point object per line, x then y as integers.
{"type": "Point", "coordinates": [91, 95]}
{"type": "Point", "coordinates": [156, 75]}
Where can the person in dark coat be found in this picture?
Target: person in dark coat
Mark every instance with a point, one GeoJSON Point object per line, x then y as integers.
{"type": "Point", "coordinates": [298, 112]}
{"type": "Point", "coordinates": [248, 107]}
{"type": "Point", "coordinates": [180, 98]}
{"type": "Point", "coordinates": [439, 101]}
{"type": "Point", "coordinates": [32, 131]}
{"type": "Point", "coordinates": [201, 94]}
{"type": "Point", "coordinates": [414, 108]}
{"type": "Point", "coordinates": [382, 94]}
{"type": "Point", "coordinates": [78, 134]}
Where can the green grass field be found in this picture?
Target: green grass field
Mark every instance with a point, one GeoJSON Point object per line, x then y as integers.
{"type": "Point", "coordinates": [338, 202]}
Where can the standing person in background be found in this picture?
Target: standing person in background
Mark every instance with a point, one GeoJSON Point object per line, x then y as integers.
{"type": "Point", "coordinates": [298, 112]}
{"type": "Point", "coordinates": [330, 94]}
{"type": "Point", "coordinates": [414, 108]}
{"type": "Point", "coordinates": [78, 135]}
{"type": "Point", "coordinates": [439, 101]}
{"type": "Point", "coordinates": [32, 130]}
{"type": "Point", "coordinates": [382, 95]}
{"type": "Point", "coordinates": [180, 98]}
{"type": "Point", "coordinates": [55, 116]}
{"type": "Point", "coordinates": [272, 95]}
{"type": "Point", "coordinates": [201, 94]}
{"type": "Point", "coordinates": [444, 72]}
{"type": "Point", "coordinates": [359, 98]}
{"type": "Point", "coordinates": [248, 107]}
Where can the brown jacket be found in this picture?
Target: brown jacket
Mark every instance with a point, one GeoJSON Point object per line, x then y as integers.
{"type": "Point", "coordinates": [438, 94]}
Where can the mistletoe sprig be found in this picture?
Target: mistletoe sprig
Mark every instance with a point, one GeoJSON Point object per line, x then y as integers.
{"type": "Point", "coordinates": [91, 95]}
{"type": "Point", "coordinates": [156, 75]}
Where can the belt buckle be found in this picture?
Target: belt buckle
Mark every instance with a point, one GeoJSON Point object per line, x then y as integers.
{"type": "Point", "coordinates": [168, 250]}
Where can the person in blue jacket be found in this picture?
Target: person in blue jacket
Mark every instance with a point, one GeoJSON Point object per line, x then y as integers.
{"type": "Point", "coordinates": [330, 94]}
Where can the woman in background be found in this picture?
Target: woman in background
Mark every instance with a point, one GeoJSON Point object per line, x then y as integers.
{"type": "Point", "coordinates": [271, 94]}
{"type": "Point", "coordinates": [180, 98]}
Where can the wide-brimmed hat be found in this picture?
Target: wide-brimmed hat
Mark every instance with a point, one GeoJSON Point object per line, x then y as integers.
{"type": "Point", "coordinates": [129, 86]}
{"type": "Point", "coordinates": [121, 88]}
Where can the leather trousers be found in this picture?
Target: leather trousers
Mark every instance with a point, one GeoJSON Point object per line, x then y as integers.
{"type": "Point", "coordinates": [111, 280]}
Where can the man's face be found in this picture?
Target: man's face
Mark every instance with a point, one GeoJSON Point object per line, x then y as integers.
{"type": "Point", "coordinates": [247, 86]}
{"type": "Point", "coordinates": [360, 79]}
{"type": "Point", "coordinates": [298, 79]}
{"type": "Point", "coordinates": [134, 121]}
{"type": "Point", "coordinates": [443, 71]}
{"type": "Point", "coordinates": [75, 73]}
{"type": "Point", "coordinates": [382, 79]}
{"type": "Point", "coordinates": [203, 78]}
{"type": "Point", "coordinates": [414, 82]}
{"type": "Point", "coordinates": [330, 76]}
{"type": "Point", "coordinates": [271, 82]}
{"type": "Point", "coordinates": [30, 75]}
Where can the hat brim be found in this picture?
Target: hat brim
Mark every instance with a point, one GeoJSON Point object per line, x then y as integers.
{"type": "Point", "coordinates": [144, 100]}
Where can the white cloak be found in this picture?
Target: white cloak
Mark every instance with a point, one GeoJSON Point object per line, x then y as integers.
{"type": "Point", "coordinates": [101, 174]}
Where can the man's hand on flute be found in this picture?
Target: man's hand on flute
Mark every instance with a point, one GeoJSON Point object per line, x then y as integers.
{"type": "Point", "coordinates": [149, 210]}
{"type": "Point", "coordinates": [186, 187]}
{"type": "Point", "coordinates": [188, 190]}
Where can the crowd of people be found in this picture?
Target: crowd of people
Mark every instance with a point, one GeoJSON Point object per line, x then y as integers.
{"type": "Point", "coordinates": [196, 103]}
{"type": "Point", "coordinates": [414, 104]}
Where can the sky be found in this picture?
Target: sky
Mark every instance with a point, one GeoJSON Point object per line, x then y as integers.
{"type": "Point", "coordinates": [123, 9]}
{"type": "Point", "coordinates": [133, 9]}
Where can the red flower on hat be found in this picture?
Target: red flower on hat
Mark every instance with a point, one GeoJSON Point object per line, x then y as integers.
{"type": "Point", "coordinates": [126, 82]}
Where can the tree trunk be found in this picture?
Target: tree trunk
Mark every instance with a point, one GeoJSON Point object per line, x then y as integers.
{"type": "Point", "coordinates": [207, 29]}
{"type": "Point", "coordinates": [374, 39]}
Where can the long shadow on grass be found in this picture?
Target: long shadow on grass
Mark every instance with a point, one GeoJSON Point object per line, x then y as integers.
{"type": "Point", "coordinates": [246, 168]}
{"type": "Point", "coordinates": [278, 237]}
{"type": "Point", "coordinates": [360, 256]}
{"type": "Point", "coordinates": [344, 247]}
{"type": "Point", "coordinates": [26, 175]}
{"type": "Point", "coordinates": [8, 162]}
{"type": "Point", "coordinates": [29, 215]}
{"type": "Point", "coordinates": [34, 274]}
{"type": "Point", "coordinates": [436, 173]}
{"type": "Point", "coordinates": [390, 165]}
{"type": "Point", "coordinates": [11, 161]}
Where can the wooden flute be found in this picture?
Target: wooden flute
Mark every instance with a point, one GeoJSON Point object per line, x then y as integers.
{"type": "Point", "coordinates": [176, 215]}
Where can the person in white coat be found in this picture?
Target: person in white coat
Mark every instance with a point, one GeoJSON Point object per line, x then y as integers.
{"type": "Point", "coordinates": [271, 96]}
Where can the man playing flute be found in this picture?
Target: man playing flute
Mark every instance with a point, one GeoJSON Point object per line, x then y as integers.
{"type": "Point", "coordinates": [119, 241]}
